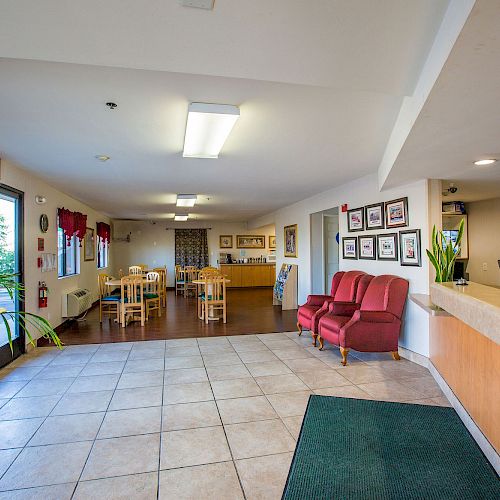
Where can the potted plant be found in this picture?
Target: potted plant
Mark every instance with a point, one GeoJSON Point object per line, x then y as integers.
{"type": "Point", "coordinates": [28, 322]}
{"type": "Point", "coordinates": [444, 253]}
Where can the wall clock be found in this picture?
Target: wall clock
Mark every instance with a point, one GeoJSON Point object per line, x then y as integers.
{"type": "Point", "coordinates": [44, 223]}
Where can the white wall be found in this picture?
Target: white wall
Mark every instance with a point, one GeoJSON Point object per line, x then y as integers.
{"type": "Point", "coordinates": [364, 191]}
{"type": "Point", "coordinates": [484, 241]}
{"type": "Point", "coordinates": [16, 177]}
{"type": "Point", "coordinates": [153, 245]}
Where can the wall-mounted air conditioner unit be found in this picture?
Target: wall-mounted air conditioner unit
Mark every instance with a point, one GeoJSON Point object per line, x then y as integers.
{"type": "Point", "coordinates": [76, 302]}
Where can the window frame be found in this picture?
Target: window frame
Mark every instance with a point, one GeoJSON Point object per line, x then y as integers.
{"type": "Point", "coordinates": [76, 246]}
{"type": "Point", "coordinates": [104, 245]}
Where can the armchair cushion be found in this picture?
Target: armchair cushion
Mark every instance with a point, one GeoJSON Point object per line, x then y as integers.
{"type": "Point", "coordinates": [317, 300]}
{"type": "Point", "coordinates": [342, 308]}
{"type": "Point", "coordinates": [374, 317]}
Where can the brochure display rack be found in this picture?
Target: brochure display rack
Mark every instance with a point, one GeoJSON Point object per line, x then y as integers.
{"type": "Point", "coordinates": [285, 287]}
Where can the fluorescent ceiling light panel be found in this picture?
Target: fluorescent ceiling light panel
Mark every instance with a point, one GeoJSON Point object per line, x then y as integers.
{"type": "Point", "coordinates": [181, 218]}
{"type": "Point", "coordinates": [487, 161]}
{"type": "Point", "coordinates": [186, 200]}
{"type": "Point", "coordinates": [208, 126]}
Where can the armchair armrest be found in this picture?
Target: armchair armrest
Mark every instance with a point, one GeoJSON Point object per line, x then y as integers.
{"type": "Point", "coordinates": [318, 300]}
{"type": "Point", "coordinates": [374, 316]}
{"type": "Point", "coordinates": [343, 308]}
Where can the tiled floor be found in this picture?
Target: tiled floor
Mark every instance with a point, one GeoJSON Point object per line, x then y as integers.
{"type": "Point", "coordinates": [212, 418]}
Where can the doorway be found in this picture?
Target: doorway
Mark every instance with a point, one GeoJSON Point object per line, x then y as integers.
{"type": "Point", "coordinates": [324, 249]}
{"type": "Point", "coordinates": [11, 264]}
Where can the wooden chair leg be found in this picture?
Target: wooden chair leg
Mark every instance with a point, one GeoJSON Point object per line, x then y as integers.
{"type": "Point", "coordinates": [100, 312]}
{"type": "Point", "coordinates": [299, 328]}
{"type": "Point", "coordinates": [320, 342]}
{"type": "Point", "coordinates": [142, 315]}
{"type": "Point", "coordinates": [395, 355]}
{"type": "Point", "coordinates": [123, 317]}
{"type": "Point", "coordinates": [314, 337]}
{"type": "Point", "coordinates": [344, 352]}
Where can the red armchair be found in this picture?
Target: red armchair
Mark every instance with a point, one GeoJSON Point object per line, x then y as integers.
{"type": "Point", "coordinates": [344, 286]}
{"type": "Point", "coordinates": [375, 327]}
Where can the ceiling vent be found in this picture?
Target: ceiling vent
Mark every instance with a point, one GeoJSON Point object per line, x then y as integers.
{"type": "Point", "coordinates": [199, 4]}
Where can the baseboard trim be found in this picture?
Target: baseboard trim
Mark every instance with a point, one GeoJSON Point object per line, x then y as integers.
{"type": "Point", "coordinates": [415, 357]}
{"type": "Point", "coordinates": [489, 452]}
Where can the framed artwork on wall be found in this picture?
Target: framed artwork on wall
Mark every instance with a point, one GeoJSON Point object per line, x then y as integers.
{"type": "Point", "coordinates": [272, 241]}
{"type": "Point", "coordinates": [396, 213]}
{"type": "Point", "coordinates": [409, 243]}
{"type": "Point", "coordinates": [374, 216]}
{"type": "Point", "coordinates": [367, 247]}
{"type": "Point", "coordinates": [88, 245]}
{"type": "Point", "coordinates": [355, 219]}
{"type": "Point", "coordinates": [226, 241]}
{"type": "Point", "coordinates": [350, 248]}
{"type": "Point", "coordinates": [250, 241]}
{"type": "Point", "coordinates": [387, 246]}
{"type": "Point", "coordinates": [290, 240]}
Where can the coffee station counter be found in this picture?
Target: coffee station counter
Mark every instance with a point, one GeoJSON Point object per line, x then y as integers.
{"type": "Point", "coordinates": [250, 274]}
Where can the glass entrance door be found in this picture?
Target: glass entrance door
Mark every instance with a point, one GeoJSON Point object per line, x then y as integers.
{"type": "Point", "coordinates": [11, 263]}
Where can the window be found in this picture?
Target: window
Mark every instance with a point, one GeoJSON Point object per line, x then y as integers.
{"type": "Point", "coordinates": [102, 253]}
{"type": "Point", "coordinates": [68, 256]}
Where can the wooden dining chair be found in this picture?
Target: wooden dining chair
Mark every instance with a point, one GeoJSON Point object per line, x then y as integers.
{"type": "Point", "coordinates": [179, 279]}
{"type": "Point", "coordinates": [132, 298]}
{"type": "Point", "coordinates": [205, 272]}
{"type": "Point", "coordinates": [162, 271]}
{"type": "Point", "coordinates": [143, 267]}
{"type": "Point", "coordinates": [134, 270]}
{"type": "Point", "coordinates": [152, 293]}
{"type": "Point", "coordinates": [190, 274]}
{"type": "Point", "coordinates": [108, 304]}
{"type": "Point", "coordinates": [214, 296]}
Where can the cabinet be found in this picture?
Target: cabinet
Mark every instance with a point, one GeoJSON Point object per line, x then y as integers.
{"type": "Point", "coordinates": [249, 275]}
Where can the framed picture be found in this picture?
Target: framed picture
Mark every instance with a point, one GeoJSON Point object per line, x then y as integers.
{"type": "Point", "coordinates": [396, 213]}
{"type": "Point", "coordinates": [356, 219]}
{"type": "Point", "coordinates": [350, 248]}
{"type": "Point", "coordinates": [367, 247]}
{"type": "Point", "coordinates": [226, 241]}
{"type": "Point", "coordinates": [250, 241]}
{"type": "Point", "coordinates": [88, 245]}
{"type": "Point", "coordinates": [374, 216]}
{"type": "Point", "coordinates": [272, 242]}
{"type": "Point", "coordinates": [290, 239]}
{"type": "Point", "coordinates": [409, 248]}
{"type": "Point", "coordinates": [387, 246]}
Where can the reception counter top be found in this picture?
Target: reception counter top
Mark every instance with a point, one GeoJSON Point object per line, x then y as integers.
{"type": "Point", "coordinates": [476, 305]}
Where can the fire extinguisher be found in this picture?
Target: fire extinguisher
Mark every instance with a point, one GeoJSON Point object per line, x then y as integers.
{"type": "Point", "coordinates": [42, 294]}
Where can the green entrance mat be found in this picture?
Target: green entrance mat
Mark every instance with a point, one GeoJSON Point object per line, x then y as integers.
{"type": "Point", "coordinates": [359, 449]}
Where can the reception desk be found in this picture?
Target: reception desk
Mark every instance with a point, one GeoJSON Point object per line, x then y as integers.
{"type": "Point", "coordinates": [465, 350]}
{"type": "Point", "coordinates": [249, 275]}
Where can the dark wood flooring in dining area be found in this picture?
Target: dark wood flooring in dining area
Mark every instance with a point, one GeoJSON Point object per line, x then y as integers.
{"type": "Point", "coordinates": [249, 311]}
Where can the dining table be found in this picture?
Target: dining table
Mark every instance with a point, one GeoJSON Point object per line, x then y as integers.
{"type": "Point", "coordinates": [211, 312]}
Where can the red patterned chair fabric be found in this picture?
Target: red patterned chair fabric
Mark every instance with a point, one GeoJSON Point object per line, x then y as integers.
{"type": "Point", "coordinates": [375, 326]}
{"type": "Point", "coordinates": [344, 287]}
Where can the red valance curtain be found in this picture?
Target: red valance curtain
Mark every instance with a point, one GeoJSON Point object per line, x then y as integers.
{"type": "Point", "coordinates": [72, 223]}
{"type": "Point", "coordinates": [104, 232]}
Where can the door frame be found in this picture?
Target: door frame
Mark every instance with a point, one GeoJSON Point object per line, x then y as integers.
{"type": "Point", "coordinates": [19, 345]}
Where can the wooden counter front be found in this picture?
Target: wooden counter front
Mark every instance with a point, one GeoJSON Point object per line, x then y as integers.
{"type": "Point", "coordinates": [249, 275]}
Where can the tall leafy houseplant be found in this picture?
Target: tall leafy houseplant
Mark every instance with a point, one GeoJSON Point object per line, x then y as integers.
{"type": "Point", "coordinates": [28, 322]}
{"type": "Point", "coordinates": [444, 253]}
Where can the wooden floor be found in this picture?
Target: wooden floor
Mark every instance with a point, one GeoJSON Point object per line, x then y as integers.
{"type": "Point", "coordinates": [250, 310]}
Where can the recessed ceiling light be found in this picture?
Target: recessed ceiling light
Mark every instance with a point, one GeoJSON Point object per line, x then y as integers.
{"type": "Point", "coordinates": [487, 161]}
{"type": "Point", "coordinates": [102, 157]}
{"type": "Point", "coordinates": [186, 200]}
{"type": "Point", "coordinates": [208, 126]}
{"type": "Point", "coordinates": [181, 218]}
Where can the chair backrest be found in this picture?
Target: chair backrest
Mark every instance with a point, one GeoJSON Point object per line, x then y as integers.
{"type": "Point", "coordinates": [215, 288]}
{"type": "Point", "coordinates": [179, 273]}
{"type": "Point", "coordinates": [101, 285]}
{"type": "Point", "coordinates": [190, 274]}
{"type": "Point", "coordinates": [121, 274]}
{"type": "Point", "coordinates": [208, 271]}
{"type": "Point", "coordinates": [346, 291]}
{"type": "Point", "coordinates": [134, 270]}
{"type": "Point", "coordinates": [162, 271]}
{"type": "Point", "coordinates": [143, 266]}
{"type": "Point", "coordinates": [132, 291]}
{"type": "Point", "coordinates": [335, 282]}
{"type": "Point", "coordinates": [363, 283]}
{"type": "Point", "coordinates": [152, 282]}
{"type": "Point", "coordinates": [386, 293]}
{"type": "Point", "coordinates": [209, 268]}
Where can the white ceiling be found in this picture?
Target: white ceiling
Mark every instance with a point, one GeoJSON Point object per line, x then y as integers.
{"type": "Point", "coordinates": [460, 122]}
{"type": "Point", "coordinates": [319, 85]}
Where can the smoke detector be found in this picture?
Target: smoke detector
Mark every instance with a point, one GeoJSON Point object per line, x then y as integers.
{"type": "Point", "coordinates": [199, 4]}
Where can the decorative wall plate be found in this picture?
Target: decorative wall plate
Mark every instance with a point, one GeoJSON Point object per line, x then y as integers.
{"type": "Point", "coordinates": [44, 223]}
